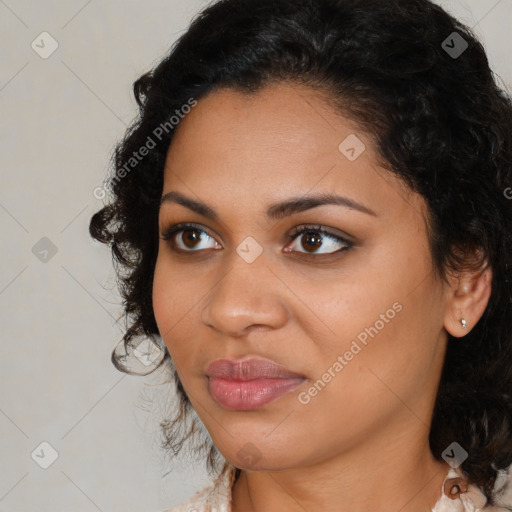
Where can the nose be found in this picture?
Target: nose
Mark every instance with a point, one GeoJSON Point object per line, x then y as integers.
{"type": "Point", "coordinates": [247, 295]}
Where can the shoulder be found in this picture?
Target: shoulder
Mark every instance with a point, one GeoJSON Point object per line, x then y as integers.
{"type": "Point", "coordinates": [215, 497]}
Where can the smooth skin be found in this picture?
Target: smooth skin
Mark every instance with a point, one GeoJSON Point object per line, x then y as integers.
{"type": "Point", "coordinates": [361, 443]}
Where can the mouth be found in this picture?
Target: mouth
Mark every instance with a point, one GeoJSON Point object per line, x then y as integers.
{"type": "Point", "coordinates": [249, 384]}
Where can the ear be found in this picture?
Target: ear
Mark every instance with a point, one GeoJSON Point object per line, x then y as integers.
{"type": "Point", "coordinates": [468, 296]}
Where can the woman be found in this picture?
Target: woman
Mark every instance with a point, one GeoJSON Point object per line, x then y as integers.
{"type": "Point", "coordinates": [313, 215]}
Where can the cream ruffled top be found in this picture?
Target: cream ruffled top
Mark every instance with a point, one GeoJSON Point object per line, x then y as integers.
{"type": "Point", "coordinates": [456, 495]}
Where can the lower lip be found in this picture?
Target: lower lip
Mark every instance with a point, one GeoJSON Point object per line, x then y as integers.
{"type": "Point", "coordinates": [250, 394]}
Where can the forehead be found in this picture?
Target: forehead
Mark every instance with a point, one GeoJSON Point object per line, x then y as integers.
{"type": "Point", "coordinates": [279, 121]}
{"type": "Point", "coordinates": [281, 141]}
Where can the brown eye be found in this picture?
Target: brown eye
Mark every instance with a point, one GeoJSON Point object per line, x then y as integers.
{"type": "Point", "coordinates": [313, 238]}
{"type": "Point", "coordinates": [311, 241]}
{"type": "Point", "coordinates": [189, 238]}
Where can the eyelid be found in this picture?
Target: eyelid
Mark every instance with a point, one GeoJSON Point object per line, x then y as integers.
{"type": "Point", "coordinates": [325, 230]}
{"type": "Point", "coordinates": [182, 226]}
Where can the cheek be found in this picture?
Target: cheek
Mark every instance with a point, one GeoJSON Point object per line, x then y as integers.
{"type": "Point", "coordinates": [351, 307]}
{"type": "Point", "coordinates": [385, 315]}
{"type": "Point", "coordinates": [161, 297]}
{"type": "Point", "coordinates": [384, 349]}
{"type": "Point", "coordinates": [175, 306]}
{"type": "Point", "coordinates": [365, 377]}
{"type": "Point", "coordinates": [170, 301]}
{"type": "Point", "coordinates": [173, 293]}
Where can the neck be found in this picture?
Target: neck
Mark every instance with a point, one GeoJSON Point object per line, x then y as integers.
{"type": "Point", "coordinates": [393, 476]}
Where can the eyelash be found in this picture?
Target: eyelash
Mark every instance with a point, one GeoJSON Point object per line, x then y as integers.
{"type": "Point", "coordinates": [172, 230]}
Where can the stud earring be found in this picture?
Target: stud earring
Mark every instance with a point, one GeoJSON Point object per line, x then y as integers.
{"type": "Point", "coordinates": [463, 322]}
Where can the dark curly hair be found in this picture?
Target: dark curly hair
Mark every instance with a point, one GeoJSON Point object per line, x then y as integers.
{"type": "Point", "coordinates": [438, 120]}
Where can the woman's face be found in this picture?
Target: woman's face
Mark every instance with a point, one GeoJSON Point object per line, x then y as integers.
{"type": "Point", "coordinates": [357, 320]}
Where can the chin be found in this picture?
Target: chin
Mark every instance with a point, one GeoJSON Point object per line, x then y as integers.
{"type": "Point", "coordinates": [252, 454]}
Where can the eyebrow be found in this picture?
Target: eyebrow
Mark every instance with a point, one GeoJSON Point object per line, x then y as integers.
{"type": "Point", "coordinates": [275, 211]}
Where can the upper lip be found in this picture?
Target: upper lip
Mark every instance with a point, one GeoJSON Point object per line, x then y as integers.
{"type": "Point", "coordinates": [248, 369]}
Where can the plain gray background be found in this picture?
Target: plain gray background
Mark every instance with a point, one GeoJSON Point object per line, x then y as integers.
{"type": "Point", "coordinates": [60, 118]}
